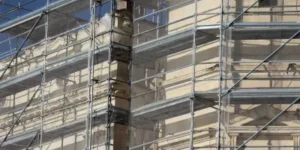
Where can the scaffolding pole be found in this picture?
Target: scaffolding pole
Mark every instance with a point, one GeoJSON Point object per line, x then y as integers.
{"type": "Point", "coordinates": [32, 140]}
{"type": "Point", "coordinates": [15, 8]}
{"type": "Point", "coordinates": [109, 85]}
{"type": "Point", "coordinates": [240, 15]}
{"type": "Point", "coordinates": [89, 120]}
{"type": "Point", "coordinates": [43, 84]}
{"type": "Point", "coordinates": [262, 62]}
{"type": "Point", "coordinates": [220, 78]}
{"type": "Point", "coordinates": [251, 71]}
{"type": "Point", "coordinates": [192, 99]}
{"type": "Point", "coordinates": [18, 118]}
{"type": "Point", "coordinates": [21, 46]}
{"type": "Point", "coordinates": [268, 123]}
{"type": "Point", "coordinates": [110, 107]}
{"type": "Point", "coordinates": [249, 147]}
{"type": "Point", "coordinates": [9, 65]}
{"type": "Point", "coordinates": [130, 81]}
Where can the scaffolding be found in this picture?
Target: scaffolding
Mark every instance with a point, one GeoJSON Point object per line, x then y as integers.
{"type": "Point", "coordinates": [150, 75]}
{"type": "Point", "coordinates": [61, 78]}
{"type": "Point", "coordinates": [217, 75]}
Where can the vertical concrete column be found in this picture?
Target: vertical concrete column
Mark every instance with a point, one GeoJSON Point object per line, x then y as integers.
{"type": "Point", "coordinates": [121, 90]}
{"type": "Point", "coordinates": [296, 139]}
{"type": "Point", "coordinates": [122, 93]}
{"type": "Point", "coordinates": [233, 140]}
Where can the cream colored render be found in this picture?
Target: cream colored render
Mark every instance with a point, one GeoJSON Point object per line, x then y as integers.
{"type": "Point", "coordinates": [65, 96]}
{"type": "Point", "coordinates": [244, 119]}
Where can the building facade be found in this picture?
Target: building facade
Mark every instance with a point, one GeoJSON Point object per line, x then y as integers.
{"type": "Point", "coordinates": [149, 74]}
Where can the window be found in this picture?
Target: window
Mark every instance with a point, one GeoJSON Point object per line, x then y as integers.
{"type": "Point", "coordinates": [267, 3]}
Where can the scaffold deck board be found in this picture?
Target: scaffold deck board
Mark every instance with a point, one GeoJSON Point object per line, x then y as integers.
{"type": "Point", "coordinates": [162, 110]}
{"type": "Point", "coordinates": [256, 96]}
{"type": "Point", "coordinates": [16, 141]}
{"type": "Point", "coordinates": [182, 40]}
{"type": "Point", "coordinates": [33, 78]}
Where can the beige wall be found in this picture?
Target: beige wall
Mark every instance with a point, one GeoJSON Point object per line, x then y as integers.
{"type": "Point", "coordinates": [177, 81]}
{"type": "Point", "coordinates": [172, 84]}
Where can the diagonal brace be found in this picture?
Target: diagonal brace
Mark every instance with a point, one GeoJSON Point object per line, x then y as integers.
{"type": "Point", "coordinates": [17, 120]}
{"type": "Point", "coordinates": [32, 140]}
{"type": "Point", "coordinates": [265, 60]}
{"type": "Point", "coordinates": [267, 124]}
{"type": "Point", "coordinates": [240, 15]}
{"type": "Point", "coordinates": [23, 43]}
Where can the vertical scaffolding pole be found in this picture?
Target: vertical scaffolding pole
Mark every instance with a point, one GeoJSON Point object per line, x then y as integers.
{"type": "Point", "coordinates": [19, 117]}
{"type": "Point", "coordinates": [220, 77]}
{"type": "Point", "coordinates": [129, 99]}
{"type": "Point", "coordinates": [89, 120]}
{"type": "Point", "coordinates": [21, 46]}
{"type": "Point", "coordinates": [130, 78]}
{"type": "Point", "coordinates": [109, 94]}
{"type": "Point", "coordinates": [192, 99]}
{"type": "Point", "coordinates": [43, 84]}
{"type": "Point", "coordinates": [158, 19]}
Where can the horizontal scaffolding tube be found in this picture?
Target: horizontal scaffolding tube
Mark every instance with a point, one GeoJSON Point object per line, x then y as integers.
{"type": "Point", "coordinates": [162, 10]}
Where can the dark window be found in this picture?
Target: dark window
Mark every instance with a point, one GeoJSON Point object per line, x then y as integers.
{"type": "Point", "coordinates": [267, 3]}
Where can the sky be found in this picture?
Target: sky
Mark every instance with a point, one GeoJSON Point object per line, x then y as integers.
{"type": "Point", "coordinates": [9, 11]}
